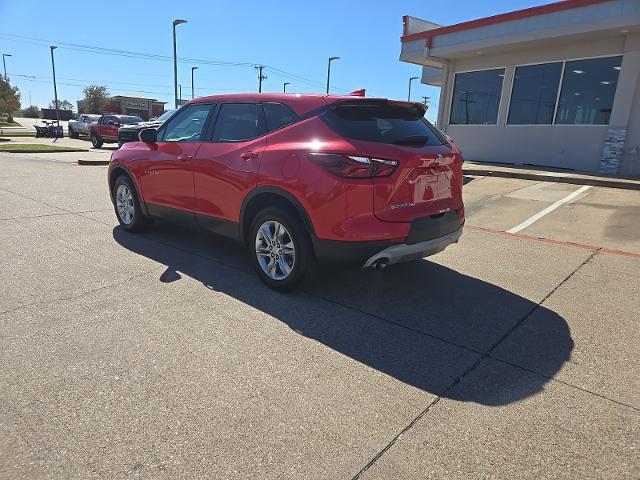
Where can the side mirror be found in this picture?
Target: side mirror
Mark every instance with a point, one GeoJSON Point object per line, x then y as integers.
{"type": "Point", "coordinates": [148, 135]}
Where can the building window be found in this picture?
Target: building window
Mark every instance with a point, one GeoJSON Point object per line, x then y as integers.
{"type": "Point", "coordinates": [534, 94]}
{"type": "Point", "coordinates": [476, 97]}
{"type": "Point", "coordinates": [588, 88]}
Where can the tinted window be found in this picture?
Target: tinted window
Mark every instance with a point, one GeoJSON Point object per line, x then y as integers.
{"type": "Point", "coordinates": [237, 122]}
{"type": "Point", "coordinates": [588, 88]}
{"type": "Point", "coordinates": [124, 120]}
{"type": "Point", "coordinates": [476, 97]}
{"type": "Point", "coordinates": [186, 126]}
{"type": "Point", "coordinates": [534, 95]}
{"type": "Point", "coordinates": [165, 116]}
{"type": "Point", "coordinates": [278, 116]}
{"type": "Point", "coordinates": [383, 122]}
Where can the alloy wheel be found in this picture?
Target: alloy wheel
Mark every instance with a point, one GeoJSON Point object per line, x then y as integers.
{"type": "Point", "coordinates": [124, 204]}
{"type": "Point", "coordinates": [275, 250]}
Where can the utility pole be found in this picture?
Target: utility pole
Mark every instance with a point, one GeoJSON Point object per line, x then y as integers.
{"type": "Point", "coordinates": [261, 77]}
{"type": "Point", "coordinates": [425, 100]}
{"type": "Point", "coordinates": [176, 22]}
{"type": "Point", "coordinates": [411, 80]}
{"type": "Point", "coordinates": [284, 86]}
{"type": "Point", "coordinates": [193, 69]}
{"type": "Point", "coordinates": [5, 65]}
{"type": "Point", "coordinates": [331, 59]}
{"type": "Point", "coordinates": [180, 93]}
{"type": "Point", "coordinates": [55, 88]}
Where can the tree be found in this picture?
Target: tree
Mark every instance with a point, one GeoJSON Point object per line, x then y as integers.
{"type": "Point", "coordinates": [32, 111]}
{"type": "Point", "coordinates": [9, 99]}
{"type": "Point", "coordinates": [62, 105]}
{"type": "Point", "coordinates": [95, 99]}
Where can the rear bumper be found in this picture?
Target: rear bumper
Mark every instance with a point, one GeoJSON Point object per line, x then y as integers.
{"type": "Point", "coordinates": [407, 252]}
{"type": "Point", "coordinates": [427, 235]}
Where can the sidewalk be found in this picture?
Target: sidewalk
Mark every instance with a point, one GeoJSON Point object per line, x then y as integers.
{"type": "Point", "coordinates": [550, 175]}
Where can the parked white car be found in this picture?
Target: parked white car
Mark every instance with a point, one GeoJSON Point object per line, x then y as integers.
{"type": "Point", "coordinates": [81, 125]}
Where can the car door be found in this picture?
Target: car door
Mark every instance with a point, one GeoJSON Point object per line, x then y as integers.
{"type": "Point", "coordinates": [110, 129]}
{"type": "Point", "coordinates": [226, 167]}
{"type": "Point", "coordinates": [83, 124]}
{"type": "Point", "coordinates": [167, 172]}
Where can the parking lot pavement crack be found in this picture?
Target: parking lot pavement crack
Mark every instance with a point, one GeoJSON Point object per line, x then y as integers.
{"type": "Point", "coordinates": [81, 294]}
{"type": "Point", "coordinates": [396, 438]}
{"type": "Point", "coordinates": [475, 364]}
{"type": "Point", "coordinates": [35, 200]}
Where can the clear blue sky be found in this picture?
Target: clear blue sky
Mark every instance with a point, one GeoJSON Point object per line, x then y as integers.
{"type": "Point", "coordinates": [296, 37]}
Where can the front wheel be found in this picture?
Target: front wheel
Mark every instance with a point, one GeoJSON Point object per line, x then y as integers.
{"type": "Point", "coordinates": [96, 141]}
{"type": "Point", "coordinates": [72, 133]}
{"type": "Point", "coordinates": [280, 248]}
{"type": "Point", "coordinates": [127, 206]}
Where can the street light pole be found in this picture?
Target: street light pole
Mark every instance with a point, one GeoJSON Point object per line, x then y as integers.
{"type": "Point", "coordinates": [331, 59]}
{"type": "Point", "coordinates": [180, 92]}
{"type": "Point", "coordinates": [284, 86]}
{"type": "Point", "coordinates": [193, 69]}
{"type": "Point", "coordinates": [411, 80]}
{"type": "Point", "coordinates": [55, 88]}
{"type": "Point", "coordinates": [5, 65]}
{"type": "Point", "coordinates": [176, 22]}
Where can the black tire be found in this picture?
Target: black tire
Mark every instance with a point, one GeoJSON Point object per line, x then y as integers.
{"type": "Point", "coordinates": [139, 222]}
{"type": "Point", "coordinates": [298, 234]}
{"type": "Point", "coordinates": [72, 134]}
{"type": "Point", "coordinates": [96, 141]}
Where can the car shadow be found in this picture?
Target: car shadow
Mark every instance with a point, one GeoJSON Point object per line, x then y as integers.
{"type": "Point", "coordinates": [421, 323]}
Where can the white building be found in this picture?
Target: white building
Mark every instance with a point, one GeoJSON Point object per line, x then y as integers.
{"type": "Point", "coordinates": [556, 85]}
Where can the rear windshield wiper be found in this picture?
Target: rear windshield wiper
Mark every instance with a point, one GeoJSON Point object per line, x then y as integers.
{"type": "Point", "coordinates": [417, 140]}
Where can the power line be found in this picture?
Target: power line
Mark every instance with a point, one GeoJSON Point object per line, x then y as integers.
{"type": "Point", "coordinates": [46, 79]}
{"type": "Point", "coordinates": [156, 57]}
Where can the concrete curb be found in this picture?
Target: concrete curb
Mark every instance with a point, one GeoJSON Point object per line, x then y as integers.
{"type": "Point", "coordinates": [93, 162]}
{"type": "Point", "coordinates": [549, 177]}
{"type": "Point", "coordinates": [8, 150]}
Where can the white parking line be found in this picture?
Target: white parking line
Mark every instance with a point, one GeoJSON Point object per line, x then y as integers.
{"type": "Point", "coordinates": [549, 209]}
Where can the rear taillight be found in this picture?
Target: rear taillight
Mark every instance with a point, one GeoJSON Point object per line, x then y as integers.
{"type": "Point", "coordinates": [353, 166]}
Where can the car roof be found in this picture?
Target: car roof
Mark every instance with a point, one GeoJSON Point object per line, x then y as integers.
{"type": "Point", "coordinates": [300, 103]}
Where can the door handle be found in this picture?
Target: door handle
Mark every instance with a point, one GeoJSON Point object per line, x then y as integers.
{"type": "Point", "coordinates": [249, 156]}
{"type": "Point", "coordinates": [185, 158]}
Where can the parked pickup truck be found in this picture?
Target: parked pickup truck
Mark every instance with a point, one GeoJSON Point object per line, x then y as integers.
{"type": "Point", "coordinates": [106, 129]}
{"type": "Point", "coordinates": [129, 133]}
{"type": "Point", "coordinates": [81, 125]}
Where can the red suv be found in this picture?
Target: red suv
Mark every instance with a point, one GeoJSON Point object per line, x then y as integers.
{"type": "Point", "coordinates": [298, 178]}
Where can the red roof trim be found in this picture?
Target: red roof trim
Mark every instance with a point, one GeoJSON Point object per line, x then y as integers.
{"type": "Point", "coordinates": [504, 17]}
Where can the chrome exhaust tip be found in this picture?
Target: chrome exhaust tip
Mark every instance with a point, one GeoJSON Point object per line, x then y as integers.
{"type": "Point", "coordinates": [381, 264]}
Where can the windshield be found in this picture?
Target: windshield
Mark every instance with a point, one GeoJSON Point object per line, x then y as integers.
{"type": "Point", "coordinates": [383, 122]}
{"type": "Point", "coordinates": [165, 116]}
{"type": "Point", "coordinates": [125, 120]}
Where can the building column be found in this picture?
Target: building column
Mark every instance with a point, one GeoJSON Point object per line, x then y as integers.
{"type": "Point", "coordinates": [613, 150]}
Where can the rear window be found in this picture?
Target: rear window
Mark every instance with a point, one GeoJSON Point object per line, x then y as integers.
{"type": "Point", "coordinates": [278, 115]}
{"type": "Point", "coordinates": [124, 120]}
{"type": "Point", "coordinates": [383, 122]}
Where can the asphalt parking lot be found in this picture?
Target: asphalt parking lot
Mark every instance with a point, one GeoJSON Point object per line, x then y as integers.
{"type": "Point", "coordinates": [509, 355]}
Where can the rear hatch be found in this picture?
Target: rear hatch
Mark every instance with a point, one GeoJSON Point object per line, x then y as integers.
{"type": "Point", "coordinates": [427, 180]}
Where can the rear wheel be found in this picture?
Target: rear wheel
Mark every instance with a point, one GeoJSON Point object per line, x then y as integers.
{"type": "Point", "coordinates": [127, 206]}
{"type": "Point", "coordinates": [280, 248]}
{"type": "Point", "coordinates": [96, 141]}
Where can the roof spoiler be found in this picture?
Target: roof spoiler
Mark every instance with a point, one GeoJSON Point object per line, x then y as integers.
{"type": "Point", "coordinates": [358, 93]}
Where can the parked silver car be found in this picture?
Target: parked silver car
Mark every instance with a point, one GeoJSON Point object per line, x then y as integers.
{"type": "Point", "coordinates": [81, 125]}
